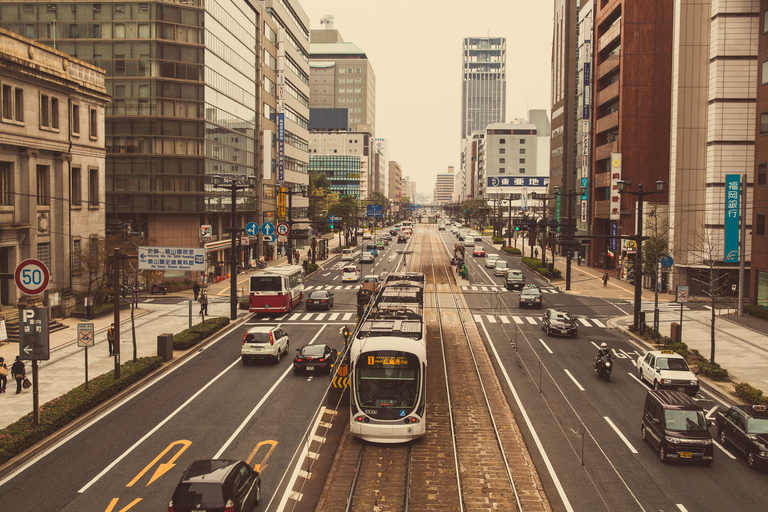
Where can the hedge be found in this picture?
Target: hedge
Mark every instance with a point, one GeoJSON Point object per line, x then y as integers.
{"type": "Point", "coordinates": [756, 311]}
{"type": "Point", "coordinates": [750, 395]}
{"type": "Point", "coordinates": [512, 250]}
{"type": "Point", "coordinates": [18, 436]}
{"type": "Point", "coordinates": [190, 337]}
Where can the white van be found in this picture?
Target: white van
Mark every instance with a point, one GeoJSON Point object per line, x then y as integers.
{"type": "Point", "coordinates": [350, 273]}
{"type": "Point", "coordinates": [347, 255]}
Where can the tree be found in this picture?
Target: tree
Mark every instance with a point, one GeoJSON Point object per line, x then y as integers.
{"type": "Point", "coordinates": [654, 249]}
{"type": "Point", "coordinates": [345, 208]}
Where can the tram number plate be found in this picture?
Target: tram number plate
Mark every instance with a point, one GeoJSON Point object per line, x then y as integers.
{"type": "Point", "coordinates": [310, 368]}
{"type": "Point", "coordinates": [686, 455]}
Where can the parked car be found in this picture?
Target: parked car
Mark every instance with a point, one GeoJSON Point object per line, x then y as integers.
{"type": "Point", "coordinates": [320, 299]}
{"type": "Point", "coordinates": [490, 260]}
{"type": "Point", "coordinates": [559, 322]}
{"type": "Point", "coordinates": [315, 358]}
{"type": "Point", "coordinates": [217, 485]}
{"type": "Point", "coordinates": [366, 257]}
{"type": "Point", "coordinates": [264, 342]}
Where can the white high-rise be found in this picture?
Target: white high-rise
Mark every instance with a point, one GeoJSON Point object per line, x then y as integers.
{"type": "Point", "coordinates": [484, 83]}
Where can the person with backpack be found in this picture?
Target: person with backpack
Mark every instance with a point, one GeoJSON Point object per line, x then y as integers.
{"type": "Point", "coordinates": [19, 372]}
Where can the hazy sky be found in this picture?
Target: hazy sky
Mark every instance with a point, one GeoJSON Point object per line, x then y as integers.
{"type": "Point", "coordinates": [415, 50]}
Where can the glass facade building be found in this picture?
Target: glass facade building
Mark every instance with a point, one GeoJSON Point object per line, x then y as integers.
{"type": "Point", "coordinates": [343, 172]}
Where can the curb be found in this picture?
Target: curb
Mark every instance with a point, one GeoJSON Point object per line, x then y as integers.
{"type": "Point", "coordinates": [40, 446]}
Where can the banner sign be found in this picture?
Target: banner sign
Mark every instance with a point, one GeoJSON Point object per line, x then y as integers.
{"type": "Point", "coordinates": [614, 244]}
{"type": "Point", "coordinates": [281, 204]}
{"type": "Point", "coordinates": [527, 181]}
{"type": "Point", "coordinates": [375, 210]}
{"type": "Point", "coordinates": [172, 258]}
{"type": "Point", "coordinates": [732, 207]}
{"type": "Point", "coordinates": [615, 198]}
{"type": "Point", "coordinates": [280, 147]}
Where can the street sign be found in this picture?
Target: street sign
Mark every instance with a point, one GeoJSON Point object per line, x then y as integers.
{"type": "Point", "coordinates": [267, 229]}
{"type": "Point", "coordinates": [682, 293]}
{"type": "Point", "coordinates": [283, 229]}
{"type": "Point", "coordinates": [375, 210]}
{"type": "Point", "coordinates": [172, 258]}
{"type": "Point", "coordinates": [32, 277]}
{"type": "Point", "coordinates": [33, 334]}
{"type": "Point", "coordinates": [667, 261]}
{"type": "Point", "coordinates": [85, 335]}
{"type": "Point", "coordinates": [252, 228]}
{"type": "Point", "coordinates": [268, 238]}
{"type": "Point", "coordinates": [333, 218]}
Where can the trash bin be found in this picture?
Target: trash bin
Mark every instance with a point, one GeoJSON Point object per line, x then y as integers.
{"type": "Point", "coordinates": [675, 332]}
{"type": "Point", "coordinates": [305, 264]}
{"type": "Point", "coordinates": [165, 346]}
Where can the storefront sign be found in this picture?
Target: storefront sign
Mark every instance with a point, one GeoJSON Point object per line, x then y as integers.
{"type": "Point", "coordinates": [732, 206]}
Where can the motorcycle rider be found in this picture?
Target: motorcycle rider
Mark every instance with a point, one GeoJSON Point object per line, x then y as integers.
{"type": "Point", "coordinates": [603, 351]}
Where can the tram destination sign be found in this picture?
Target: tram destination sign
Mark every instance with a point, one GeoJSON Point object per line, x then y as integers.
{"type": "Point", "coordinates": [172, 258]}
{"type": "Point", "coordinates": [382, 360]}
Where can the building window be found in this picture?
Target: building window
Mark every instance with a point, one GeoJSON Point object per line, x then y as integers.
{"type": "Point", "coordinates": [502, 141]}
{"type": "Point", "coordinates": [93, 124]}
{"type": "Point", "coordinates": [75, 118]}
{"type": "Point", "coordinates": [522, 151]}
{"type": "Point", "coordinates": [762, 170]}
{"type": "Point", "coordinates": [93, 187]}
{"type": "Point", "coordinates": [522, 141]}
{"type": "Point", "coordinates": [502, 170]}
{"type": "Point", "coordinates": [43, 185]}
{"type": "Point", "coordinates": [13, 103]}
{"type": "Point", "coordinates": [765, 22]}
{"type": "Point", "coordinates": [502, 151]}
{"type": "Point", "coordinates": [763, 123]}
{"type": "Point", "coordinates": [760, 224]}
{"type": "Point", "coordinates": [502, 160]}
{"type": "Point", "coordinates": [6, 183]}
{"type": "Point", "coordinates": [44, 110]}
{"type": "Point", "coordinates": [44, 253]}
{"type": "Point", "coordinates": [764, 77]}
{"type": "Point", "coordinates": [55, 113]}
{"type": "Point", "coordinates": [76, 254]}
{"type": "Point", "coordinates": [76, 195]}
{"type": "Point", "coordinates": [522, 160]}
{"type": "Point", "coordinates": [522, 170]}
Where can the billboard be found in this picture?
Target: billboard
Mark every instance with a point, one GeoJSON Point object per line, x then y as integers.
{"type": "Point", "coordinates": [732, 213]}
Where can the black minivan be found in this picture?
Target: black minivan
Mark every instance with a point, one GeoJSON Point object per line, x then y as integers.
{"type": "Point", "coordinates": [677, 427]}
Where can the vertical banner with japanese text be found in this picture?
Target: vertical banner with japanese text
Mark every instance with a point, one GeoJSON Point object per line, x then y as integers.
{"type": "Point", "coordinates": [732, 214]}
{"type": "Point", "coordinates": [614, 196]}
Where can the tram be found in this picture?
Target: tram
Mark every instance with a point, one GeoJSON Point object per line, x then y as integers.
{"type": "Point", "coordinates": [388, 365]}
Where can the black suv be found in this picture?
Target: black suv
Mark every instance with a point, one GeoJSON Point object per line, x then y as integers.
{"type": "Point", "coordinates": [745, 427]}
{"type": "Point", "coordinates": [530, 296]}
{"type": "Point", "coordinates": [217, 485]}
{"type": "Point", "coordinates": [677, 427]}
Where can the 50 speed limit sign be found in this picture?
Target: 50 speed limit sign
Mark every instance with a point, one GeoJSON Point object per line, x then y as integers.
{"type": "Point", "coordinates": [32, 277]}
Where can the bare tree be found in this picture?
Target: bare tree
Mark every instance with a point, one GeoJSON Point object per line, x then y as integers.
{"type": "Point", "coordinates": [654, 249]}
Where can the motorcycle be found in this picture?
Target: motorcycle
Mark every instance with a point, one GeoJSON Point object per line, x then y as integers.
{"type": "Point", "coordinates": [158, 289]}
{"type": "Point", "coordinates": [603, 367]}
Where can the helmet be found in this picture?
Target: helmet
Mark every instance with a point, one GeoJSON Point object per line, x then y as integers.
{"type": "Point", "coordinates": [603, 346]}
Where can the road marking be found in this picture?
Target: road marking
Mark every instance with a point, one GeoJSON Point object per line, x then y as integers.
{"type": "Point", "coordinates": [709, 413]}
{"type": "Point", "coordinates": [546, 347]}
{"type": "Point", "coordinates": [583, 322]}
{"type": "Point", "coordinates": [333, 316]}
{"type": "Point", "coordinates": [722, 448]}
{"type": "Point", "coordinates": [504, 320]}
{"type": "Point", "coordinates": [618, 432]}
{"type": "Point", "coordinates": [518, 320]}
{"type": "Point", "coordinates": [572, 378]}
{"type": "Point", "coordinates": [478, 319]}
{"type": "Point", "coordinates": [294, 316]}
{"type": "Point", "coordinates": [491, 319]}
{"type": "Point", "coordinates": [597, 322]}
{"type": "Point", "coordinates": [631, 374]}
{"type": "Point", "coordinates": [681, 507]}
{"type": "Point", "coordinates": [532, 320]}
{"type": "Point", "coordinates": [320, 316]}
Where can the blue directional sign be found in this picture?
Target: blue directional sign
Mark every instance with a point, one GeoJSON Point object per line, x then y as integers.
{"type": "Point", "coordinates": [252, 228]}
{"type": "Point", "coordinates": [267, 228]}
{"type": "Point", "coordinates": [375, 210]}
{"type": "Point", "coordinates": [667, 261]}
{"type": "Point", "coordinates": [333, 218]}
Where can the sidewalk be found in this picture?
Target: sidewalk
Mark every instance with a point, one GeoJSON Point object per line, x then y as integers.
{"type": "Point", "coordinates": [155, 315]}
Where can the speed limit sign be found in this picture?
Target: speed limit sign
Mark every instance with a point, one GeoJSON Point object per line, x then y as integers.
{"type": "Point", "coordinates": [32, 277]}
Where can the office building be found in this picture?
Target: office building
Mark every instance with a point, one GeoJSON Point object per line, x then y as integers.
{"type": "Point", "coordinates": [443, 193]}
{"type": "Point", "coordinates": [395, 175]}
{"type": "Point", "coordinates": [52, 162]}
{"type": "Point", "coordinates": [759, 250]}
{"type": "Point", "coordinates": [483, 83]}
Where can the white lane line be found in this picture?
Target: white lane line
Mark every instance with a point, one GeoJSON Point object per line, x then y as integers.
{"type": "Point", "coordinates": [532, 320]}
{"type": "Point", "coordinates": [558, 485]}
{"type": "Point", "coordinates": [572, 378]}
{"type": "Point", "coordinates": [631, 374]}
{"type": "Point", "coordinates": [681, 507]}
{"type": "Point", "coordinates": [597, 322]}
{"type": "Point", "coordinates": [546, 347]}
{"type": "Point", "coordinates": [711, 411]}
{"type": "Point", "coordinates": [618, 432]}
{"type": "Point", "coordinates": [722, 449]}
{"type": "Point", "coordinates": [518, 320]}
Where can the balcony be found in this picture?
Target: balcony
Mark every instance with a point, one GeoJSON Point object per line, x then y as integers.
{"type": "Point", "coordinates": [607, 122]}
{"type": "Point", "coordinates": [609, 93]}
{"type": "Point", "coordinates": [608, 65]}
{"type": "Point", "coordinates": [604, 152]}
{"type": "Point", "coordinates": [613, 33]}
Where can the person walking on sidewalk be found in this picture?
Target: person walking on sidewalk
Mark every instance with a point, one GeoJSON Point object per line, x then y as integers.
{"type": "Point", "coordinates": [196, 289]}
{"type": "Point", "coordinates": [19, 372]}
{"type": "Point", "coordinates": [605, 279]}
{"type": "Point", "coordinates": [203, 304]}
{"type": "Point", "coordinates": [536, 252]}
{"type": "Point", "coordinates": [111, 339]}
{"type": "Point", "coordinates": [3, 375]}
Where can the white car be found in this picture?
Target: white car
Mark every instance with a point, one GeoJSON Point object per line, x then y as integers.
{"type": "Point", "coordinates": [500, 268]}
{"type": "Point", "coordinates": [366, 257]}
{"type": "Point", "coordinates": [347, 255]}
{"type": "Point", "coordinates": [264, 342]}
{"type": "Point", "coordinates": [666, 369]}
{"type": "Point", "coordinates": [350, 273]}
{"type": "Point", "coordinates": [490, 260]}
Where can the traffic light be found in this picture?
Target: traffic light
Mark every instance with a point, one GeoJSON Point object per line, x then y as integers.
{"type": "Point", "coordinates": [331, 225]}
{"type": "Point", "coordinates": [517, 228]}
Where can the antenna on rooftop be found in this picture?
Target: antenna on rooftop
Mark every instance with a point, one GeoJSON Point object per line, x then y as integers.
{"type": "Point", "coordinates": [327, 20]}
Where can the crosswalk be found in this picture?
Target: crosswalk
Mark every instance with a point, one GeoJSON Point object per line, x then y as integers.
{"type": "Point", "coordinates": [481, 288]}
{"type": "Point", "coordinates": [305, 317]}
{"type": "Point", "coordinates": [530, 320]}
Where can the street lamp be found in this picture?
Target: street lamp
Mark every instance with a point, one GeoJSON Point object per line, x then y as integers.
{"type": "Point", "coordinates": [233, 185]}
{"type": "Point", "coordinates": [639, 240]}
{"type": "Point", "coordinates": [566, 235]}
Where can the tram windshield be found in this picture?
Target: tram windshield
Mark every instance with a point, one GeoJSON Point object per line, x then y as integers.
{"type": "Point", "coordinates": [387, 380]}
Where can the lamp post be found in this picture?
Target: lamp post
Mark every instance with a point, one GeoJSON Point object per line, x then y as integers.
{"type": "Point", "coordinates": [639, 240]}
{"type": "Point", "coordinates": [233, 185]}
{"type": "Point", "coordinates": [566, 235]}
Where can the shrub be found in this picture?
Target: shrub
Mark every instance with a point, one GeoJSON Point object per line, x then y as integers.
{"type": "Point", "coordinates": [512, 250]}
{"type": "Point", "coordinates": [756, 311]}
{"type": "Point", "coordinates": [713, 370]}
{"type": "Point", "coordinates": [312, 267]}
{"type": "Point", "coordinates": [531, 262]}
{"type": "Point", "coordinates": [190, 337]}
{"type": "Point", "coordinates": [556, 273]}
{"type": "Point", "coordinates": [749, 394]}
{"type": "Point", "coordinates": [185, 339]}
{"type": "Point", "coordinates": [244, 304]}
{"type": "Point", "coordinates": [60, 411]}
{"type": "Point", "coordinates": [542, 271]}
{"type": "Point", "coordinates": [497, 240]}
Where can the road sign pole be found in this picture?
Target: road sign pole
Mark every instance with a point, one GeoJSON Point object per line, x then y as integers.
{"type": "Point", "coordinates": [86, 367]}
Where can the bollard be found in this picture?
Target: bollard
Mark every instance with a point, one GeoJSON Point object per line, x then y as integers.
{"type": "Point", "coordinates": [165, 346]}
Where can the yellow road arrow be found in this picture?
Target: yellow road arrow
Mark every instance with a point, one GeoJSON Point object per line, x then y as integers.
{"type": "Point", "coordinates": [162, 468]}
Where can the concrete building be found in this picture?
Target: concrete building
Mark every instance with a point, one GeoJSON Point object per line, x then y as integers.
{"type": "Point", "coordinates": [631, 128]}
{"type": "Point", "coordinates": [443, 192]}
{"type": "Point", "coordinates": [759, 239]}
{"type": "Point", "coordinates": [357, 151]}
{"type": "Point", "coordinates": [471, 172]}
{"type": "Point", "coordinates": [585, 70]}
{"type": "Point", "coordinates": [52, 161]}
{"type": "Point", "coordinates": [483, 84]}
{"type": "Point", "coordinates": [395, 181]}
{"type": "Point", "coordinates": [381, 165]}
{"type": "Point", "coordinates": [714, 72]}
{"type": "Point", "coordinates": [194, 89]}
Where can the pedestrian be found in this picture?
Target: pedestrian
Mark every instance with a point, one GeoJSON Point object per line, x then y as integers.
{"type": "Point", "coordinates": [196, 289]}
{"type": "Point", "coordinates": [605, 279]}
{"type": "Point", "coordinates": [3, 375]}
{"type": "Point", "coordinates": [203, 304]}
{"type": "Point", "coordinates": [536, 252]}
{"type": "Point", "coordinates": [19, 372]}
{"type": "Point", "coordinates": [111, 339]}
{"type": "Point", "coordinates": [297, 257]}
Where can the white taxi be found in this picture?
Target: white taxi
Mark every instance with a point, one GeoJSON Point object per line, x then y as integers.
{"type": "Point", "coordinates": [666, 369]}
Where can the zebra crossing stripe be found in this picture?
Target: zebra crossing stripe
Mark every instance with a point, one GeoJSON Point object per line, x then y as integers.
{"type": "Point", "coordinates": [348, 316]}
{"type": "Point", "coordinates": [308, 316]}
{"type": "Point", "coordinates": [478, 319]}
{"type": "Point", "coordinates": [333, 316]}
{"type": "Point", "coordinates": [598, 323]}
{"type": "Point", "coordinates": [583, 322]}
{"type": "Point", "coordinates": [504, 320]}
{"type": "Point", "coordinates": [518, 320]}
{"type": "Point", "coordinates": [320, 316]}
{"type": "Point", "coordinates": [295, 316]}
{"type": "Point", "coordinates": [491, 319]}
{"type": "Point", "coordinates": [307, 288]}
{"type": "Point", "coordinates": [532, 320]}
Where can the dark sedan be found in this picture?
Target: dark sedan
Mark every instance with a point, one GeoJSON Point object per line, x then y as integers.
{"type": "Point", "coordinates": [217, 486]}
{"type": "Point", "coordinates": [402, 239]}
{"type": "Point", "coordinates": [559, 322]}
{"type": "Point", "coordinates": [320, 299]}
{"type": "Point", "coordinates": [314, 358]}
{"type": "Point", "coordinates": [530, 296]}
